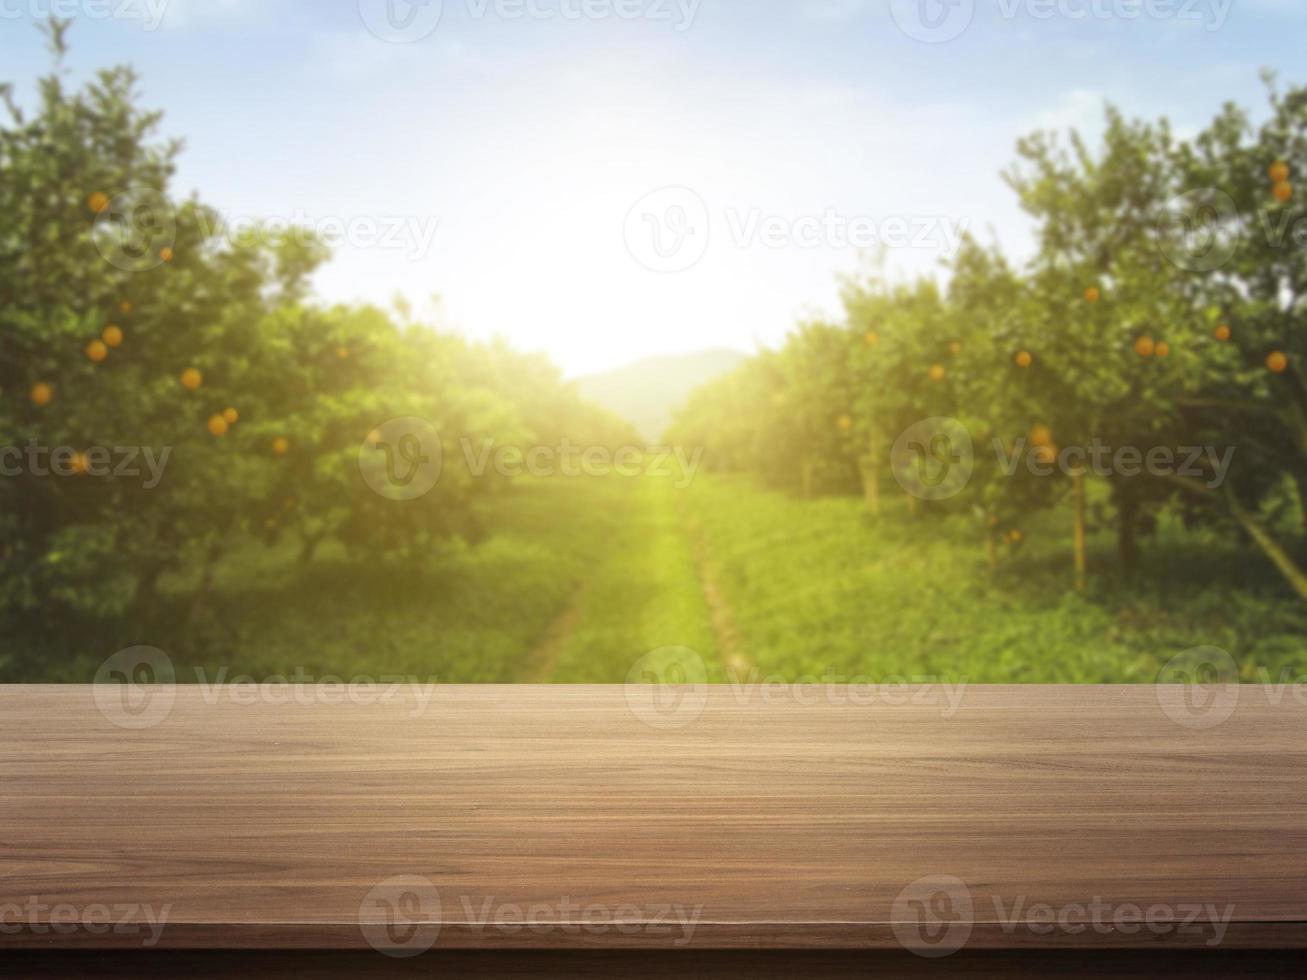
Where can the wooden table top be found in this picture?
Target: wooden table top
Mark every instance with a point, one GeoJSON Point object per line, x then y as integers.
{"type": "Point", "coordinates": [582, 817]}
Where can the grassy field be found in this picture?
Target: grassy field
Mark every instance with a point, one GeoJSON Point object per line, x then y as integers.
{"type": "Point", "coordinates": [818, 586]}
{"type": "Point", "coordinates": [585, 577]}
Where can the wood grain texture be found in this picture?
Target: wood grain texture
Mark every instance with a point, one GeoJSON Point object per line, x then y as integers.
{"type": "Point", "coordinates": [736, 820]}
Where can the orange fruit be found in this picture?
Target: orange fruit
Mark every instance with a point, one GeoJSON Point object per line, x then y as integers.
{"type": "Point", "coordinates": [1093, 294]}
{"type": "Point", "coordinates": [97, 202]}
{"type": "Point", "coordinates": [1145, 347]}
{"type": "Point", "coordinates": [871, 339]}
{"type": "Point", "coordinates": [166, 254]}
{"type": "Point", "coordinates": [342, 353]}
{"type": "Point", "coordinates": [270, 524]}
{"type": "Point", "coordinates": [192, 379]}
{"type": "Point", "coordinates": [112, 335]}
{"type": "Point", "coordinates": [845, 423]}
{"type": "Point", "coordinates": [80, 464]}
{"type": "Point", "coordinates": [955, 348]}
{"type": "Point", "coordinates": [42, 394]}
{"type": "Point", "coordinates": [97, 351]}
{"type": "Point", "coordinates": [125, 306]}
{"type": "Point", "coordinates": [232, 416]}
{"type": "Point", "coordinates": [1222, 333]}
{"type": "Point", "coordinates": [1025, 359]}
{"type": "Point", "coordinates": [1283, 191]}
{"type": "Point", "coordinates": [937, 372]}
{"type": "Point", "coordinates": [1041, 435]}
{"type": "Point", "coordinates": [1277, 362]}
{"type": "Point", "coordinates": [1279, 172]}
{"type": "Point", "coordinates": [374, 437]}
{"type": "Point", "coordinates": [280, 446]}
{"type": "Point", "coordinates": [218, 425]}
{"type": "Point", "coordinates": [1046, 454]}
{"type": "Point", "coordinates": [1163, 349]}
{"type": "Point", "coordinates": [1015, 536]}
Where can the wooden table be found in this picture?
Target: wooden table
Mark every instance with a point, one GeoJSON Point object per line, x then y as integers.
{"type": "Point", "coordinates": [963, 831]}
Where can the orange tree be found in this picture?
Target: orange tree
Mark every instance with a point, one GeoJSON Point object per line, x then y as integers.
{"type": "Point", "coordinates": [1123, 340]}
{"type": "Point", "coordinates": [132, 326]}
{"type": "Point", "coordinates": [1253, 283]}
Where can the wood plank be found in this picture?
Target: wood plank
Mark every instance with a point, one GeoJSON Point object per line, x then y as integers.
{"type": "Point", "coordinates": [730, 819]}
{"type": "Point", "coordinates": [1149, 964]}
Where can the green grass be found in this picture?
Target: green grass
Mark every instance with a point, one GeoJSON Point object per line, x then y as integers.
{"type": "Point", "coordinates": [583, 578]}
{"type": "Point", "coordinates": [467, 615]}
{"type": "Point", "coordinates": [818, 586]}
{"type": "Point", "coordinates": [643, 595]}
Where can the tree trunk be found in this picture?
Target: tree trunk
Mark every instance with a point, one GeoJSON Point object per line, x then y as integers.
{"type": "Point", "coordinates": [1272, 548]}
{"type": "Point", "coordinates": [1078, 483]}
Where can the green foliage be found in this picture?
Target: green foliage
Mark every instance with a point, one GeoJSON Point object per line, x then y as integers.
{"type": "Point", "coordinates": [128, 320]}
{"type": "Point", "coordinates": [1166, 307]}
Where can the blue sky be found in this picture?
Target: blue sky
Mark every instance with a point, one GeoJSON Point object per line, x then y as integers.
{"type": "Point", "coordinates": [507, 158]}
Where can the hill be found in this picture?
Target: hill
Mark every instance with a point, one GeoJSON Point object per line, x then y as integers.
{"type": "Point", "coordinates": [649, 391]}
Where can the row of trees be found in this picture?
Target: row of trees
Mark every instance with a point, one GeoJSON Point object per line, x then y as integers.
{"type": "Point", "coordinates": [1164, 308]}
{"type": "Point", "coordinates": [126, 322]}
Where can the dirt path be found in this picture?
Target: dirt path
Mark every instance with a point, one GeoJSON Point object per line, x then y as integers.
{"type": "Point", "coordinates": [737, 663]}
{"type": "Point", "coordinates": [540, 663]}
